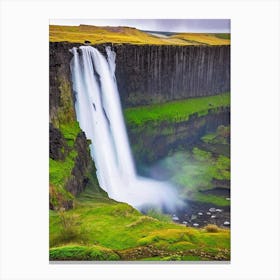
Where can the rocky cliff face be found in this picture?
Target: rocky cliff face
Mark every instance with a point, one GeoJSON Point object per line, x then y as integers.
{"type": "Point", "coordinates": [61, 101]}
{"type": "Point", "coordinates": [71, 166]}
{"type": "Point", "coordinates": [57, 143]}
{"type": "Point", "coordinates": [151, 74]}
{"type": "Point", "coordinates": [158, 140]}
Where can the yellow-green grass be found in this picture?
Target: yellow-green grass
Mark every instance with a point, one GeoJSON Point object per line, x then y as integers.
{"type": "Point", "coordinates": [202, 38]}
{"type": "Point", "coordinates": [98, 35]}
{"type": "Point", "coordinates": [175, 111]}
{"type": "Point", "coordinates": [74, 252]}
{"type": "Point", "coordinates": [123, 34]}
{"type": "Point", "coordinates": [101, 227]}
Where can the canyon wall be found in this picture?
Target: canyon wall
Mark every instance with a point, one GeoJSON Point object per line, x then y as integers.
{"type": "Point", "coordinates": [152, 74]}
{"type": "Point", "coordinates": [157, 73]}
{"type": "Point", "coordinates": [158, 139]}
{"type": "Point", "coordinates": [71, 166]}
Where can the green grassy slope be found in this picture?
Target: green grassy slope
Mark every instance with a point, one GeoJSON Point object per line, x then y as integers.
{"type": "Point", "coordinates": [102, 229]}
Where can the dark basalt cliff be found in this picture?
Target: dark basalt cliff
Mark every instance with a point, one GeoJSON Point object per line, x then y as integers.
{"type": "Point", "coordinates": [68, 146]}
{"type": "Point", "coordinates": [59, 72]}
{"type": "Point", "coordinates": [160, 139]}
{"type": "Point", "coordinates": [83, 164]}
{"type": "Point", "coordinates": [151, 74]}
{"type": "Point", "coordinates": [57, 143]}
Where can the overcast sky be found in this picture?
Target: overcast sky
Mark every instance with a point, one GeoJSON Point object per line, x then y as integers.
{"type": "Point", "coordinates": [172, 25]}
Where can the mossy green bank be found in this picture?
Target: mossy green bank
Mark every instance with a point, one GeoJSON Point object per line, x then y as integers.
{"type": "Point", "coordinates": [103, 229]}
{"type": "Point", "coordinates": [175, 111]}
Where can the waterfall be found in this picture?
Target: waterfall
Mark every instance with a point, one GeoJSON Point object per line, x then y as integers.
{"type": "Point", "coordinates": [99, 114]}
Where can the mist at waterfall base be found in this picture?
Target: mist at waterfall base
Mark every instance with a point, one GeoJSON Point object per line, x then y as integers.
{"type": "Point", "coordinates": [99, 114]}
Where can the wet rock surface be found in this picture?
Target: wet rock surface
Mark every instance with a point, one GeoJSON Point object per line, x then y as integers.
{"type": "Point", "coordinates": [56, 143]}
{"type": "Point", "coordinates": [79, 179]}
{"type": "Point", "coordinates": [197, 214]}
{"type": "Point", "coordinates": [223, 192]}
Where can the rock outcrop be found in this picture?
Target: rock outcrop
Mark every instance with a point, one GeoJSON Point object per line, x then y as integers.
{"type": "Point", "coordinates": [157, 73]}
{"type": "Point", "coordinates": [158, 140]}
{"type": "Point", "coordinates": [72, 168]}
{"type": "Point", "coordinates": [59, 72]}
{"type": "Point", "coordinates": [56, 143]}
{"type": "Point", "coordinates": [82, 166]}
{"type": "Point", "coordinates": [151, 74]}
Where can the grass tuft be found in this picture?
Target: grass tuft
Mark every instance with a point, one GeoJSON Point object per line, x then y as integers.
{"type": "Point", "coordinates": [82, 253]}
{"type": "Point", "coordinates": [212, 228]}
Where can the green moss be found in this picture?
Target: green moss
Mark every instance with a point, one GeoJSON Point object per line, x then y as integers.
{"type": "Point", "coordinates": [59, 196]}
{"type": "Point", "coordinates": [109, 225]}
{"type": "Point", "coordinates": [220, 136]}
{"type": "Point", "coordinates": [66, 112]}
{"type": "Point", "coordinates": [195, 171]}
{"type": "Point", "coordinates": [175, 111]}
{"type": "Point", "coordinates": [122, 224]}
{"type": "Point", "coordinates": [82, 253]}
{"type": "Point", "coordinates": [157, 214]}
{"type": "Point", "coordinates": [60, 171]}
{"type": "Point", "coordinates": [214, 199]}
{"type": "Point", "coordinates": [181, 246]}
{"type": "Point", "coordinates": [65, 121]}
{"type": "Point", "coordinates": [70, 132]}
{"type": "Point", "coordinates": [209, 138]}
{"type": "Point", "coordinates": [168, 235]}
{"type": "Point", "coordinates": [201, 155]}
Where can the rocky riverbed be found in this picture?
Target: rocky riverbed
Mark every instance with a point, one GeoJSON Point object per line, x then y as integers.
{"type": "Point", "coordinates": [197, 214]}
{"type": "Point", "coordinates": [200, 214]}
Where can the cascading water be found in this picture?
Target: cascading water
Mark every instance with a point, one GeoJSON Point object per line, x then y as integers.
{"type": "Point", "coordinates": [99, 114]}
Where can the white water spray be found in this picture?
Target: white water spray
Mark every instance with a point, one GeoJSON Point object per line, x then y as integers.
{"type": "Point", "coordinates": [100, 116]}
